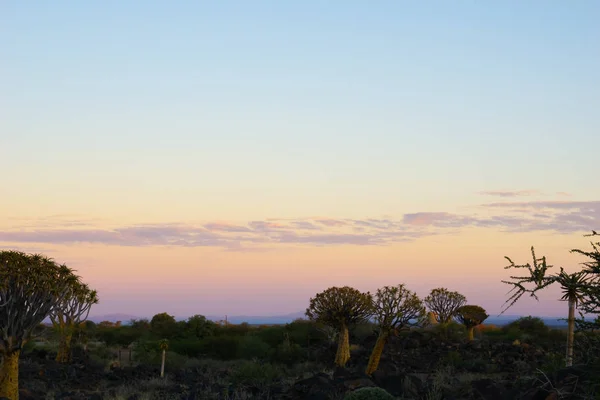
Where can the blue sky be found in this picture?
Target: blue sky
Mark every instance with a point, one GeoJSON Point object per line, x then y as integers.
{"type": "Point", "coordinates": [480, 93]}
{"type": "Point", "coordinates": [158, 112]}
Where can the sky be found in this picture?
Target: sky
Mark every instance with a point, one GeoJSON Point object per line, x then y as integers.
{"type": "Point", "coordinates": [238, 157]}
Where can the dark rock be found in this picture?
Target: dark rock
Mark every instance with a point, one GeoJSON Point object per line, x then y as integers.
{"type": "Point", "coordinates": [392, 383]}
{"type": "Point", "coordinates": [25, 394]}
{"type": "Point", "coordinates": [490, 390]}
{"type": "Point", "coordinates": [317, 387]}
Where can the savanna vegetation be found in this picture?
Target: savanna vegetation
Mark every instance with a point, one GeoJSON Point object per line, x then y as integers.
{"type": "Point", "coordinates": [352, 345]}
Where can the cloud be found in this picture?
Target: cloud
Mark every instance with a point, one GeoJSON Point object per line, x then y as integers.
{"type": "Point", "coordinates": [511, 193]}
{"type": "Point", "coordinates": [549, 205]}
{"type": "Point", "coordinates": [331, 222]}
{"type": "Point", "coordinates": [221, 227]}
{"type": "Point", "coordinates": [259, 235]}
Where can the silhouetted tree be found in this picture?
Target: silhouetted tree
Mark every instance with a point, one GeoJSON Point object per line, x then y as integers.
{"type": "Point", "coordinates": [163, 325]}
{"type": "Point", "coordinates": [590, 304]}
{"type": "Point", "coordinates": [393, 307]}
{"type": "Point", "coordinates": [444, 304]}
{"type": "Point", "coordinates": [31, 286]}
{"type": "Point", "coordinates": [73, 309]}
{"type": "Point", "coordinates": [575, 288]}
{"type": "Point", "coordinates": [471, 316]}
{"type": "Point", "coordinates": [340, 308]}
{"type": "Point", "coordinates": [200, 327]}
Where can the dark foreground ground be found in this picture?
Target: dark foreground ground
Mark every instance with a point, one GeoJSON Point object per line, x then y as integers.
{"type": "Point", "coordinates": [415, 365]}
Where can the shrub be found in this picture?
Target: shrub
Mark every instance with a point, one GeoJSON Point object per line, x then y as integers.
{"type": "Point", "coordinates": [453, 358]}
{"type": "Point", "coordinates": [369, 393]}
{"type": "Point", "coordinates": [289, 354]}
{"type": "Point", "coordinates": [306, 333]}
{"type": "Point", "coordinates": [250, 347]}
{"type": "Point", "coordinates": [530, 325]}
{"type": "Point", "coordinates": [191, 347]}
{"type": "Point", "coordinates": [221, 347]}
{"type": "Point", "coordinates": [271, 335]}
{"type": "Point", "coordinates": [255, 374]}
{"type": "Point", "coordinates": [452, 331]}
{"type": "Point", "coordinates": [363, 331]}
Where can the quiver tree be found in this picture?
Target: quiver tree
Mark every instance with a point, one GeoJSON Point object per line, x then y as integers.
{"type": "Point", "coordinates": [70, 313]}
{"type": "Point", "coordinates": [590, 303]}
{"type": "Point", "coordinates": [340, 308]}
{"type": "Point", "coordinates": [31, 286]}
{"type": "Point", "coordinates": [164, 346]}
{"type": "Point", "coordinates": [443, 304]}
{"type": "Point", "coordinates": [393, 308]}
{"type": "Point", "coordinates": [470, 317]}
{"type": "Point", "coordinates": [573, 285]}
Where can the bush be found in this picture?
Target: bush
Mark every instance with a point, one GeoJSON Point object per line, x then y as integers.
{"type": "Point", "coordinates": [369, 393]}
{"type": "Point", "coordinates": [453, 358]}
{"type": "Point", "coordinates": [289, 354]}
{"type": "Point", "coordinates": [221, 347]}
{"type": "Point", "coordinates": [305, 333]}
{"type": "Point", "coordinates": [271, 335]}
{"type": "Point", "coordinates": [361, 332]}
{"type": "Point", "coordinates": [451, 331]}
{"type": "Point", "coordinates": [533, 326]}
{"type": "Point", "coordinates": [255, 374]}
{"type": "Point", "coordinates": [250, 347]}
{"type": "Point", "coordinates": [191, 347]}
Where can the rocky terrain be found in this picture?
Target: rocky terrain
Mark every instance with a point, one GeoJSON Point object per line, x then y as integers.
{"type": "Point", "coordinates": [417, 365]}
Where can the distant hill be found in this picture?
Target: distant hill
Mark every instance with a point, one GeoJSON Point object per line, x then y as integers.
{"type": "Point", "coordinates": [124, 318]}
{"type": "Point", "coordinates": [284, 319]}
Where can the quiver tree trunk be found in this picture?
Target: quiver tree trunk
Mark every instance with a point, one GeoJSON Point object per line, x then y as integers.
{"type": "Point", "coordinates": [64, 349]}
{"type": "Point", "coordinates": [376, 353]}
{"type": "Point", "coordinates": [570, 332]}
{"type": "Point", "coordinates": [162, 364]}
{"type": "Point", "coordinates": [471, 333]}
{"type": "Point", "coordinates": [64, 344]}
{"type": "Point", "coordinates": [9, 376]}
{"type": "Point", "coordinates": [343, 351]}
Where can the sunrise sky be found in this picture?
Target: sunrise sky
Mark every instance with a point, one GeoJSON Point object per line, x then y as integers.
{"type": "Point", "coordinates": [237, 157]}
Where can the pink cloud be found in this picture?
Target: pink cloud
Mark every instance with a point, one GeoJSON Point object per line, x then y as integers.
{"type": "Point", "coordinates": [556, 216]}
{"type": "Point", "coordinates": [511, 193]}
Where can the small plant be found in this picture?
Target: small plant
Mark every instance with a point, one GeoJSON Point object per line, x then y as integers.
{"type": "Point", "coordinates": [453, 358]}
{"type": "Point", "coordinates": [255, 374]}
{"type": "Point", "coordinates": [369, 393]}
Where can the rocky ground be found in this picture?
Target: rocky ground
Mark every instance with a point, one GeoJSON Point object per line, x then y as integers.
{"type": "Point", "coordinates": [416, 366]}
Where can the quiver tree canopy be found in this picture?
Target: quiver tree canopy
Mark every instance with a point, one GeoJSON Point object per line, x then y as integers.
{"type": "Point", "coordinates": [444, 303]}
{"type": "Point", "coordinates": [590, 303]}
{"type": "Point", "coordinates": [471, 316]}
{"type": "Point", "coordinates": [393, 308]}
{"type": "Point", "coordinates": [75, 305]}
{"type": "Point", "coordinates": [339, 308]}
{"type": "Point", "coordinates": [579, 288]}
{"type": "Point", "coordinates": [31, 286]}
{"type": "Point", "coordinates": [72, 310]}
